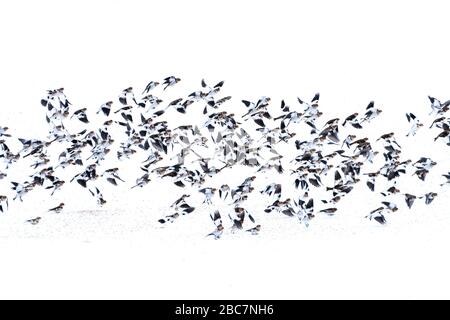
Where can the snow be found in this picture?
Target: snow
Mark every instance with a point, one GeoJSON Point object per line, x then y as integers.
{"type": "Point", "coordinates": [121, 251]}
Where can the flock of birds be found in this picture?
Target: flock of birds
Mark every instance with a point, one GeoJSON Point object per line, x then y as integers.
{"type": "Point", "coordinates": [253, 141]}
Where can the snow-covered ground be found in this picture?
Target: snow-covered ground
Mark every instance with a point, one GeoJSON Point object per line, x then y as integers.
{"type": "Point", "coordinates": [367, 52]}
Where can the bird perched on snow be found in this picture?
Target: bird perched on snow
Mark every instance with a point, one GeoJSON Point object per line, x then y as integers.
{"type": "Point", "coordinates": [34, 221]}
{"type": "Point", "coordinates": [57, 209]}
{"type": "Point", "coordinates": [255, 230]}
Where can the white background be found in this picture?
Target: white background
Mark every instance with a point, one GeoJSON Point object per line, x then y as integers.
{"type": "Point", "coordinates": [394, 52]}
